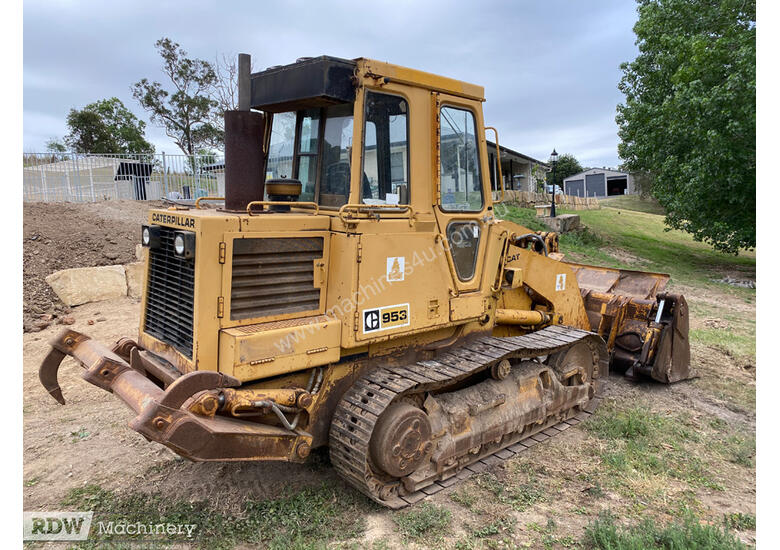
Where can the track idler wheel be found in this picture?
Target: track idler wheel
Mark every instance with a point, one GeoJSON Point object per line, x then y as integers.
{"type": "Point", "coordinates": [575, 365]}
{"type": "Point", "coordinates": [401, 441]}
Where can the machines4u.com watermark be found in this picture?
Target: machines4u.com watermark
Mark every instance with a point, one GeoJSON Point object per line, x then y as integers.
{"type": "Point", "coordinates": [75, 526]}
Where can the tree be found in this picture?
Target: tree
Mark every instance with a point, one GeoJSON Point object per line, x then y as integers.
{"type": "Point", "coordinates": [186, 112]}
{"type": "Point", "coordinates": [224, 91]}
{"type": "Point", "coordinates": [55, 146]}
{"type": "Point", "coordinates": [106, 126]}
{"type": "Point", "coordinates": [689, 117]}
{"type": "Point", "coordinates": [567, 165]}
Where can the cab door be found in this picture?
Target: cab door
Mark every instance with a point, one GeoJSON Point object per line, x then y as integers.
{"type": "Point", "coordinates": [463, 206]}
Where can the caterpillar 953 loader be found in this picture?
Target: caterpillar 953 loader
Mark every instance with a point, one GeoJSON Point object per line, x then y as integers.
{"type": "Point", "coordinates": [358, 290]}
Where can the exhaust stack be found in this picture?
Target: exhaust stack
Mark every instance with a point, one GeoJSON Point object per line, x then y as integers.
{"type": "Point", "coordinates": [244, 138]}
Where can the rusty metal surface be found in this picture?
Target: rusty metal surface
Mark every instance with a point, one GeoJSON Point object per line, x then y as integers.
{"type": "Point", "coordinates": [643, 285]}
{"type": "Point", "coordinates": [469, 423]}
{"type": "Point", "coordinates": [244, 165]}
{"type": "Point", "coordinates": [162, 415]}
{"type": "Point", "coordinates": [640, 344]}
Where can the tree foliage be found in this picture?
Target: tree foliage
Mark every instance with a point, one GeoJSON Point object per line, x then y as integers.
{"type": "Point", "coordinates": [185, 111]}
{"type": "Point", "coordinates": [689, 116]}
{"type": "Point", "coordinates": [567, 165]}
{"type": "Point", "coordinates": [106, 126]}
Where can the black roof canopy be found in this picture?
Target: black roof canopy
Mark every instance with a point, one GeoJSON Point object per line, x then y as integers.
{"type": "Point", "coordinates": [313, 82]}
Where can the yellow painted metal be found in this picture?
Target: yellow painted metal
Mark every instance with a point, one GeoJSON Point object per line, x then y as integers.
{"type": "Point", "coordinates": [498, 163]}
{"type": "Point", "coordinates": [311, 205]}
{"type": "Point", "coordinates": [199, 199]}
{"type": "Point", "coordinates": [521, 317]}
{"type": "Point", "coordinates": [389, 286]}
{"type": "Point", "coordinates": [256, 351]}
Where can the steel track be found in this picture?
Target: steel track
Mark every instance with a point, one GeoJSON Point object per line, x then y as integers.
{"type": "Point", "coordinates": [361, 406]}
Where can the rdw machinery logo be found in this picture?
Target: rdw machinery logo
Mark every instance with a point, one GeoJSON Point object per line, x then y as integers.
{"type": "Point", "coordinates": [57, 525]}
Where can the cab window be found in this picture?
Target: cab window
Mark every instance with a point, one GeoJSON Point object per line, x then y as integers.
{"type": "Point", "coordinates": [461, 184]}
{"type": "Point", "coordinates": [385, 178]}
{"type": "Point", "coordinates": [280, 148]}
{"type": "Point", "coordinates": [336, 151]}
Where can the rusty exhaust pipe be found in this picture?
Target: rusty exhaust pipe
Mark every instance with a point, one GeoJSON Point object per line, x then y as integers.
{"type": "Point", "coordinates": [244, 139]}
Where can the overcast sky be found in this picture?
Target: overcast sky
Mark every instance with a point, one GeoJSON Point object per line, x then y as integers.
{"type": "Point", "coordinates": [550, 68]}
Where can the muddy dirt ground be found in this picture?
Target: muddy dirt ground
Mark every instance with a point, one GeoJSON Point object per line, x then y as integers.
{"type": "Point", "coordinates": [66, 235]}
{"type": "Point", "coordinates": [88, 442]}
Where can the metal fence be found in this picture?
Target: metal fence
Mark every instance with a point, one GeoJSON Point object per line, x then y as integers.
{"type": "Point", "coordinates": [87, 177]}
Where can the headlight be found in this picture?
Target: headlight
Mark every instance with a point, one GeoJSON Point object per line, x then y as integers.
{"type": "Point", "coordinates": [184, 244]}
{"type": "Point", "coordinates": [150, 236]}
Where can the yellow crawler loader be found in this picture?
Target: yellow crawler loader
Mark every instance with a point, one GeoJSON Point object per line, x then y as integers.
{"type": "Point", "coordinates": [356, 288]}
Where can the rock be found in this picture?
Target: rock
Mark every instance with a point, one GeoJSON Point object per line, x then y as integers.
{"type": "Point", "coordinates": [141, 252]}
{"type": "Point", "coordinates": [90, 322]}
{"type": "Point", "coordinates": [563, 223]}
{"type": "Point", "coordinates": [88, 284]}
{"type": "Point", "coordinates": [41, 324]}
{"type": "Point", "coordinates": [100, 319]}
{"type": "Point", "coordinates": [47, 317]}
{"type": "Point", "coordinates": [68, 320]}
{"type": "Point", "coordinates": [111, 255]}
{"type": "Point", "coordinates": [135, 279]}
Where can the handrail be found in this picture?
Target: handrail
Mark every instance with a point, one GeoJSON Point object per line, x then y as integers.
{"type": "Point", "coordinates": [498, 158]}
{"type": "Point", "coordinates": [283, 203]}
{"type": "Point", "coordinates": [197, 201]}
{"type": "Point", "coordinates": [358, 207]}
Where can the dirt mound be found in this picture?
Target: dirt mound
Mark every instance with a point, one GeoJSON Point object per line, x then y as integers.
{"type": "Point", "coordinates": [65, 235]}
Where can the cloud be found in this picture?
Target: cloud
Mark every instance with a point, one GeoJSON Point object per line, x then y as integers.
{"type": "Point", "coordinates": [550, 69]}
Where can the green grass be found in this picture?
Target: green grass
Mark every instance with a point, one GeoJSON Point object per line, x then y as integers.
{"type": "Point", "coordinates": [739, 521]}
{"type": "Point", "coordinates": [647, 445]}
{"type": "Point", "coordinates": [635, 203]}
{"type": "Point", "coordinates": [308, 519]}
{"type": "Point", "coordinates": [519, 496]}
{"type": "Point", "coordinates": [423, 522]}
{"type": "Point", "coordinates": [604, 533]}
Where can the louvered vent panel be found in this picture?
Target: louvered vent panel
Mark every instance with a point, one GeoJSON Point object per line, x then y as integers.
{"type": "Point", "coordinates": [274, 276]}
{"type": "Point", "coordinates": [169, 295]}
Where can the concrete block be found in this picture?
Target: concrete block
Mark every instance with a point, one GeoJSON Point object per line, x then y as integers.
{"type": "Point", "coordinates": [135, 279]}
{"type": "Point", "coordinates": [562, 223]}
{"type": "Point", "coordinates": [88, 284]}
{"type": "Point", "coordinates": [141, 252]}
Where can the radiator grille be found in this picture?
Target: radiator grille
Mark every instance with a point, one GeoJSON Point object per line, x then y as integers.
{"type": "Point", "coordinates": [273, 276]}
{"type": "Point", "coordinates": [169, 295]}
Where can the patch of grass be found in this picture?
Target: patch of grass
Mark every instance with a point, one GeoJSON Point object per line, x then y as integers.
{"type": "Point", "coordinates": [647, 443]}
{"type": "Point", "coordinates": [425, 521]}
{"type": "Point", "coordinates": [635, 203]}
{"type": "Point", "coordinates": [464, 496]}
{"type": "Point", "coordinates": [735, 342]}
{"type": "Point", "coordinates": [81, 433]}
{"type": "Point", "coordinates": [739, 521]}
{"type": "Point", "coordinates": [32, 482]}
{"type": "Point", "coordinates": [503, 525]}
{"type": "Point", "coordinates": [518, 496]}
{"type": "Point", "coordinates": [311, 518]}
{"type": "Point", "coordinates": [605, 533]}
{"type": "Point", "coordinates": [741, 450]}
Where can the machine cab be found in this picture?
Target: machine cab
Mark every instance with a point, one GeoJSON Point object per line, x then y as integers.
{"type": "Point", "coordinates": [389, 152]}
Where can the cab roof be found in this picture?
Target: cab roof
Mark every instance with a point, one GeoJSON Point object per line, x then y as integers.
{"type": "Point", "coordinates": [326, 80]}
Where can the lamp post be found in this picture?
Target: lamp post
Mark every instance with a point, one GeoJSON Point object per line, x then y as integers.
{"type": "Point", "coordinates": [554, 159]}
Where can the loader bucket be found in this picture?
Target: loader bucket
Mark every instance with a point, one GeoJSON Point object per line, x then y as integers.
{"type": "Point", "coordinates": [646, 329]}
